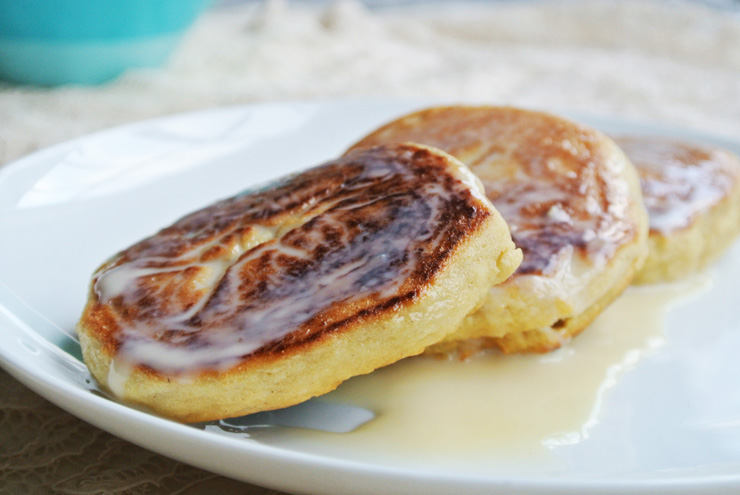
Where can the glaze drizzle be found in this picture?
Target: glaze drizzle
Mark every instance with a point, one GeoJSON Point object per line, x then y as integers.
{"type": "Point", "coordinates": [266, 270]}
{"type": "Point", "coordinates": [552, 180]}
{"type": "Point", "coordinates": [679, 180]}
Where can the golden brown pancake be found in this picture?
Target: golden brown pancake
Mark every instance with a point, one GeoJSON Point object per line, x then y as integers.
{"type": "Point", "coordinates": [572, 201]}
{"type": "Point", "coordinates": [692, 194]}
{"type": "Point", "coordinates": [277, 295]}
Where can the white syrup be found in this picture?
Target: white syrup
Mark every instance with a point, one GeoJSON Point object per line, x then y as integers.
{"type": "Point", "coordinates": [505, 409]}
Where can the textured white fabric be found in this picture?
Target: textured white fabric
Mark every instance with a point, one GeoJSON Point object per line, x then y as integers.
{"type": "Point", "coordinates": [669, 62]}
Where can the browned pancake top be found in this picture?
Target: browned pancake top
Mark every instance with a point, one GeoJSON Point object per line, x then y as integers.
{"type": "Point", "coordinates": [679, 180]}
{"type": "Point", "coordinates": [273, 269]}
{"type": "Point", "coordinates": [553, 181]}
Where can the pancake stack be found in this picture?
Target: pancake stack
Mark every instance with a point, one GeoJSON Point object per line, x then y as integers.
{"type": "Point", "coordinates": [447, 231]}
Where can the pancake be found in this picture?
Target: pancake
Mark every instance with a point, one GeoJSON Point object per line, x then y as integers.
{"type": "Point", "coordinates": [573, 204]}
{"type": "Point", "coordinates": [269, 298]}
{"type": "Point", "coordinates": [692, 194]}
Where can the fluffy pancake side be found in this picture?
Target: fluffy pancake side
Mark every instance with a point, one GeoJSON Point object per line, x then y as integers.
{"type": "Point", "coordinates": [692, 194]}
{"type": "Point", "coordinates": [573, 203]}
{"type": "Point", "coordinates": [274, 296]}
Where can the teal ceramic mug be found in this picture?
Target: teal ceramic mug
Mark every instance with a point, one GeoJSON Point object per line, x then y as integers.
{"type": "Point", "coordinates": [55, 42]}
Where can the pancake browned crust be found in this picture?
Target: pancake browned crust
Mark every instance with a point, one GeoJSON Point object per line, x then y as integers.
{"type": "Point", "coordinates": [692, 194]}
{"type": "Point", "coordinates": [572, 201]}
{"type": "Point", "coordinates": [271, 297]}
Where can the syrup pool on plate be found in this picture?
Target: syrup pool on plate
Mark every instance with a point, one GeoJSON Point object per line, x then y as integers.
{"type": "Point", "coordinates": [505, 409]}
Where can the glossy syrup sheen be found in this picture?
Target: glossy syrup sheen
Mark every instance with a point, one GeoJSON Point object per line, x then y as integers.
{"type": "Point", "coordinates": [679, 180]}
{"type": "Point", "coordinates": [265, 271]}
{"type": "Point", "coordinates": [494, 412]}
{"type": "Point", "coordinates": [556, 183]}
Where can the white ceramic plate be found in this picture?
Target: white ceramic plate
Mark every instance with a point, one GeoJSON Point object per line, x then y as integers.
{"type": "Point", "coordinates": [670, 425]}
